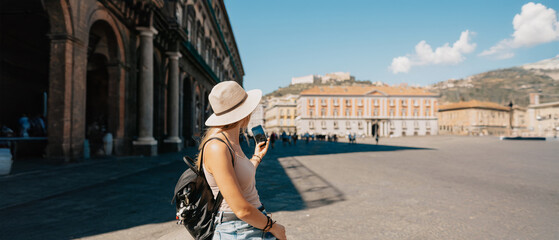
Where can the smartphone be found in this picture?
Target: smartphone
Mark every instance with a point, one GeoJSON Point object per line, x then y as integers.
{"type": "Point", "coordinates": [259, 134]}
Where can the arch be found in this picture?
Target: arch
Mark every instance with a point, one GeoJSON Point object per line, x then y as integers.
{"type": "Point", "coordinates": [188, 119]}
{"type": "Point", "coordinates": [103, 105]}
{"type": "Point", "coordinates": [59, 25]}
{"type": "Point", "coordinates": [101, 14]}
{"type": "Point", "coordinates": [24, 69]}
{"type": "Point", "coordinates": [101, 21]}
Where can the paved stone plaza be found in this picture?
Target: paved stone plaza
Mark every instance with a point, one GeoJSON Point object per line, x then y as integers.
{"type": "Point", "coordinates": [404, 188]}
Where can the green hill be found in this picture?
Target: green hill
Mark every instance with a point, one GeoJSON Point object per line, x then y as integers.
{"type": "Point", "coordinates": [298, 88]}
{"type": "Point", "coordinates": [501, 86]}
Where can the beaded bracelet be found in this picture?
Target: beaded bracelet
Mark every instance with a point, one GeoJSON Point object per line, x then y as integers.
{"type": "Point", "coordinates": [269, 224]}
{"type": "Point", "coordinates": [260, 159]}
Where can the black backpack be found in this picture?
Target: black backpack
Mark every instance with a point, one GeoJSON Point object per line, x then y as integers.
{"type": "Point", "coordinates": [195, 205]}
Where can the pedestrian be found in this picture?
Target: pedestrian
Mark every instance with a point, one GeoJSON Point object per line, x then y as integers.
{"type": "Point", "coordinates": [284, 138]}
{"type": "Point", "coordinates": [376, 138]}
{"type": "Point", "coordinates": [273, 138]}
{"type": "Point", "coordinates": [24, 126]}
{"type": "Point", "coordinates": [241, 215]}
{"type": "Point", "coordinates": [294, 138]}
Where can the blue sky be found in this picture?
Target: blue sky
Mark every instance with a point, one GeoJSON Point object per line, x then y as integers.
{"type": "Point", "coordinates": [377, 40]}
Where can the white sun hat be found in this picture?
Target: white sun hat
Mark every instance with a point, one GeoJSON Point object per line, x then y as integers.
{"type": "Point", "coordinates": [231, 103]}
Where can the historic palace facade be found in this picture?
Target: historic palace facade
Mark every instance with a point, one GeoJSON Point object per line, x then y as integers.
{"type": "Point", "coordinates": [140, 70]}
{"type": "Point", "coordinates": [280, 114]}
{"type": "Point", "coordinates": [367, 111]}
{"type": "Point", "coordinates": [476, 118]}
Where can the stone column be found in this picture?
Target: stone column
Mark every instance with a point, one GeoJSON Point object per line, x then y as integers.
{"type": "Point", "coordinates": [146, 144]}
{"type": "Point", "coordinates": [59, 118]}
{"type": "Point", "coordinates": [173, 142]}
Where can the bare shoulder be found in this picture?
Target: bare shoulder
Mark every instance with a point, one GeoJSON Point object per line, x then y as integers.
{"type": "Point", "coordinates": [215, 145]}
{"type": "Point", "coordinates": [216, 151]}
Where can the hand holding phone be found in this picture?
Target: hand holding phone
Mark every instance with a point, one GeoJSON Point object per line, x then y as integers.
{"type": "Point", "coordinates": [259, 134]}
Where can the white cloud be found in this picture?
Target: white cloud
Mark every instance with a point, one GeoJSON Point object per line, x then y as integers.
{"type": "Point", "coordinates": [400, 64]}
{"type": "Point", "coordinates": [536, 24]}
{"type": "Point", "coordinates": [424, 54]}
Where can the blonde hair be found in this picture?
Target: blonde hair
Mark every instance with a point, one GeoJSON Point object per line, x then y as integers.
{"type": "Point", "coordinates": [211, 131]}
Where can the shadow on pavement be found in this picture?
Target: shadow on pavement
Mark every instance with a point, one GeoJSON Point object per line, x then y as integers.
{"type": "Point", "coordinates": [143, 198]}
{"type": "Point", "coordinates": [284, 184]}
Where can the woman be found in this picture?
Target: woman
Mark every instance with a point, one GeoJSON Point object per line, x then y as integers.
{"type": "Point", "coordinates": [241, 215]}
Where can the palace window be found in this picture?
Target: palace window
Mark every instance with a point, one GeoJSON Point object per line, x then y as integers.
{"type": "Point", "coordinates": [404, 102]}
{"type": "Point", "coordinates": [336, 102]}
{"type": "Point", "coordinates": [415, 102]}
{"type": "Point", "coordinates": [281, 112]}
{"type": "Point", "coordinates": [391, 112]}
{"type": "Point", "coordinates": [360, 125]}
{"type": "Point", "coordinates": [427, 103]}
{"type": "Point", "coordinates": [404, 125]}
{"type": "Point", "coordinates": [335, 111]}
{"type": "Point", "coordinates": [391, 102]}
{"type": "Point", "coordinates": [348, 125]}
{"type": "Point", "coordinates": [359, 112]}
{"type": "Point", "coordinates": [288, 112]}
{"type": "Point", "coordinates": [179, 15]}
{"type": "Point", "coordinates": [311, 102]}
{"type": "Point", "coordinates": [375, 102]}
{"type": "Point", "coordinates": [427, 124]}
{"type": "Point", "coordinates": [375, 112]}
{"type": "Point", "coordinates": [199, 39]}
{"type": "Point", "coordinates": [323, 112]}
{"type": "Point", "coordinates": [348, 102]}
{"type": "Point", "coordinates": [281, 122]}
{"type": "Point", "coordinates": [335, 124]}
{"type": "Point", "coordinates": [323, 124]}
{"type": "Point", "coordinates": [427, 111]}
{"type": "Point", "coordinates": [311, 124]}
{"type": "Point", "coordinates": [360, 102]}
{"type": "Point", "coordinates": [416, 124]}
{"type": "Point", "coordinates": [415, 112]}
{"type": "Point", "coordinates": [189, 27]}
{"type": "Point", "coordinates": [323, 102]}
{"type": "Point", "coordinates": [347, 111]}
{"type": "Point", "coordinates": [311, 113]}
{"type": "Point", "coordinates": [404, 112]}
{"type": "Point", "coordinates": [207, 51]}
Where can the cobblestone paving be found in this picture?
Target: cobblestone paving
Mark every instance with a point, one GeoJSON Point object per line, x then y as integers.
{"type": "Point", "coordinates": [407, 188]}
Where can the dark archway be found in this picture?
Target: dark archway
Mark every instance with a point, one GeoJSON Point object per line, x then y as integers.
{"type": "Point", "coordinates": [24, 66]}
{"type": "Point", "coordinates": [99, 115]}
{"type": "Point", "coordinates": [188, 112]}
{"type": "Point", "coordinates": [375, 130]}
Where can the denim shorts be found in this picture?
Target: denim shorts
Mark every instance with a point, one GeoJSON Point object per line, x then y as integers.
{"type": "Point", "coordinates": [236, 230]}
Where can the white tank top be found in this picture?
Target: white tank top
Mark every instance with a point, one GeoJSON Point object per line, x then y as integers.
{"type": "Point", "coordinates": [246, 176]}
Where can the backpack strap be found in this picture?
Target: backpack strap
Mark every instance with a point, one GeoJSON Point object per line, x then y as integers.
{"type": "Point", "coordinates": [219, 197]}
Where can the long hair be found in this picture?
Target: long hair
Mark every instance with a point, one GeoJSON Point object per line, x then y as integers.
{"type": "Point", "coordinates": [211, 131]}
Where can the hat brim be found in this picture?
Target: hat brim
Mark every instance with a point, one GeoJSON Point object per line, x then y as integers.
{"type": "Point", "coordinates": [240, 112]}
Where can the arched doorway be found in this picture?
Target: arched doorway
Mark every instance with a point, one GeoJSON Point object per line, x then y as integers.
{"type": "Point", "coordinates": [188, 112]}
{"type": "Point", "coordinates": [375, 129]}
{"type": "Point", "coordinates": [24, 68]}
{"type": "Point", "coordinates": [100, 118]}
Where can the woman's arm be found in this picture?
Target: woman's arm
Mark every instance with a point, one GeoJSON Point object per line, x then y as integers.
{"type": "Point", "coordinates": [218, 163]}
{"type": "Point", "coordinates": [259, 152]}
